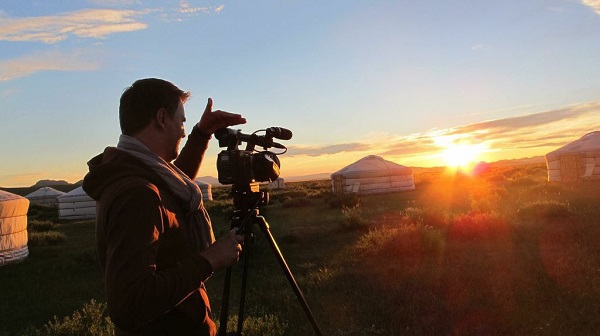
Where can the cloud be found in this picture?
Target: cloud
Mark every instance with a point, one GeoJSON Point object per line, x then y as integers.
{"type": "Point", "coordinates": [582, 115]}
{"type": "Point", "coordinates": [327, 150]}
{"type": "Point", "coordinates": [77, 60]}
{"type": "Point", "coordinates": [87, 23]}
{"type": "Point", "coordinates": [186, 8]}
{"type": "Point", "coordinates": [91, 23]}
{"type": "Point", "coordinates": [594, 4]}
{"type": "Point", "coordinates": [537, 132]}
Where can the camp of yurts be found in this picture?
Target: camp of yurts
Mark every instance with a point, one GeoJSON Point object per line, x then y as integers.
{"type": "Point", "coordinates": [206, 190]}
{"type": "Point", "coordinates": [13, 228]}
{"type": "Point", "coordinates": [45, 196]}
{"type": "Point", "coordinates": [371, 175]}
{"type": "Point", "coordinates": [76, 204]}
{"type": "Point", "coordinates": [575, 161]}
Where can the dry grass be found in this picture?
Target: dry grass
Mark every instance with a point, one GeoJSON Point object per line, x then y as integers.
{"type": "Point", "coordinates": [503, 253]}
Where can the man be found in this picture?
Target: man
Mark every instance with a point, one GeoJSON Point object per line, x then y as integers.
{"type": "Point", "coordinates": [154, 238]}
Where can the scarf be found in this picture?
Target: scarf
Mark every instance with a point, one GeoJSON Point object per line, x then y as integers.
{"type": "Point", "coordinates": [186, 191]}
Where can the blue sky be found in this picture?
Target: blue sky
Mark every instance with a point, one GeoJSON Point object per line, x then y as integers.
{"type": "Point", "coordinates": [406, 80]}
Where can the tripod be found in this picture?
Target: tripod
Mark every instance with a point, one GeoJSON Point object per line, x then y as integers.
{"type": "Point", "coordinates": [246, 200]}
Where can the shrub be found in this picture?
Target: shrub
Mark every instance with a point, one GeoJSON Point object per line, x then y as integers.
{"type": "Point", "coordinates": [544, 210]}
{"type": "Point", "coordinates": [40, 225]}
{"type": "Point", "coordinates": [91, 321]}
{"type": "Point", "coordinates": [47, 238]}
{"type": "Point", "coordinates": [268, 325]}
{"type": "Point", "coordinates": [479, 226]}
{"type": "Point", "coordinates": [524, 181]}
{"type": "Point", "coordinates": [295, 202]}
{"type": "Point", "coordinates": [415, 215]}
{"type": "Point", "coordinates": [353, 217]}
{"type": "Point", "coordinates": [294, 193]}
{"type": "Point", "coordinates": [339, 200]}
{"type": "Point", "coordinates": [41, 212]}
{"type": "Point", "coordinates": [430, 217]}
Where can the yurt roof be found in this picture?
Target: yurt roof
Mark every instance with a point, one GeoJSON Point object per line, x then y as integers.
{"type": "Point", "coordinates": [12, 205]}
{"type": "Point", "coordinates": [202, 183]}
{"type": "Point", "coordinates": [373, 165]}
{"type": "Point", "coordinates": [587, 143]}
{"type": "Point", "coordinates": [45, 191]}
{"type": "Point", "coordinates": [74, 193]}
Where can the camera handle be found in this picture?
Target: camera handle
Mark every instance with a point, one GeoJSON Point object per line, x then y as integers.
{"type": "Point", "coordinates": [252, 218]}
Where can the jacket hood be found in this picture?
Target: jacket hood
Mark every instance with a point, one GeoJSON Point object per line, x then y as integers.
{"type": "Point", "coordinates": [111, 166]}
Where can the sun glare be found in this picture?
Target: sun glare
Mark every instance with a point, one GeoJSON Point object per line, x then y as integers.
{"type": "Point", "coordinates": [460, 154]}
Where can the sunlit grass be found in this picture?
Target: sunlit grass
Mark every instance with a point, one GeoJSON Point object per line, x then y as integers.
{"type": "Point", "coordinates": [502, 253]}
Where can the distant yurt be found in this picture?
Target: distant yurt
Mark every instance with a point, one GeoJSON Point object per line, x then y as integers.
{"type": "Point", "coordinates": [45, 196]}
{"type": "Point", "coordinates": [76, 204]}
{"type": "Point", "coordinates": [206, 190]}
{"type": "Point", "coordinates": [576, 161]}
{"type": "Point", "coordinates": [371, 175]}
{"type": "Point", "coordinates": [279, 183]}
{"type": "Point", "coordinates": [13, 228]}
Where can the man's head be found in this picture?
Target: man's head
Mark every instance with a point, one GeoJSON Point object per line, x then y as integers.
{"type": "Point", "coordinates": [141, 101]}
{"type": "Point", "coordinates": [151, 110]}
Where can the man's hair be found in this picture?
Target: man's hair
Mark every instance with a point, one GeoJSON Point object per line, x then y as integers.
{"type": "Point", "coordinates": [140, 102]}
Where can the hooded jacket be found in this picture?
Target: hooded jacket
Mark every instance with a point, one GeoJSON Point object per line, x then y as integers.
{"type": "Point", "coordinates": [154, 282]}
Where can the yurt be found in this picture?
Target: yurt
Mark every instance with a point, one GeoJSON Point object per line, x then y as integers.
{"type": "Point", "coordinates": [45, 196]}
{"type": "Point", "coordinates": [13, 228]}
{"type": "Point", "coordinates": [576, 161]}
{"type": "Point", "coordinates": [371, 175]}
{"type": "Point", "coordinates": [206, 190]}
{"type": "Point", "coordinates": [76, 204]}
{"type": "Point", "coordinates": [279, 183]}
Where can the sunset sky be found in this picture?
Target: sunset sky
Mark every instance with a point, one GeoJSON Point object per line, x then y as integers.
{"type": "Point", "coordinates": [416, 82]}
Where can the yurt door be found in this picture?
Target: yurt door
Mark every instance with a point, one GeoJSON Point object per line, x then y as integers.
{"type": "Point", "coordinates": [338, 183]}
{"type": "Point", "coordinates": [570, 167]}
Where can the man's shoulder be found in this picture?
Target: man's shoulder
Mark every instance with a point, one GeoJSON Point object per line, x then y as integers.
{"type": "Point", "coordinates": [131, 185]}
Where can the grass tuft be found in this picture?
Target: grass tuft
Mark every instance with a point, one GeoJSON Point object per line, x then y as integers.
{"type": "Point", "coordinates": [46, 238]}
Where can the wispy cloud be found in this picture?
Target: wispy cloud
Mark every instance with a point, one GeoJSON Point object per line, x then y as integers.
{"type": "Point", "coordinates": [87, 23]}
{"type": "Point", "coordinates": [542, 131]}
{"type": "Point", "coordinates": [77, 60]}
{"type": "Point", "coordinates": [594, 4]}
{"type": "Point", "coordinates": [186, 8]}
{"type": "Point", "coordinates": [325, 150]}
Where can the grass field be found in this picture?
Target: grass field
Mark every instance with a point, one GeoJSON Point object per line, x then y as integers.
{"type": "Point", "coordinates": [505, 253]}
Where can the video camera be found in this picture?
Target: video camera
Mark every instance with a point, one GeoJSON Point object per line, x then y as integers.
{"type": "Point", "coordinates": [240, 167]}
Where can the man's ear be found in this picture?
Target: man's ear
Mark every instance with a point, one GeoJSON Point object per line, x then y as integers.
{"type": "Point", "coordinates": [161, 118]}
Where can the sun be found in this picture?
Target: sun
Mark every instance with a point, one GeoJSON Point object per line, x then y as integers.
{"type": "Point", "coordinates": [462, 155]}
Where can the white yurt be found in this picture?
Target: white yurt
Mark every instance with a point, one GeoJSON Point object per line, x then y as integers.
{"type": "Point", "coordinates": [279, 183]}
{"type": "Point", "coordinates": [575, 161]}
{"type": "Point", "coordinates": [13, 228]}
{"type": "Point", "coordinates": [206, 190]}
{"type": "Point", "coordinates": [76, 204]}
{"type": "Point", "coordinates": [45, 196]}
{"type": "Point", "coordinates": [371, 175]}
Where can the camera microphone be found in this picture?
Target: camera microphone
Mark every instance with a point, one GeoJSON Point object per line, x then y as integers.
{"type": "Point", "coordinates": [279, 133]}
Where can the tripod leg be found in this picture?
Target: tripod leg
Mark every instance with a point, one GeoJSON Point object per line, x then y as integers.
{"type": "Point", "coordinates": [225, 304]}
{"type": "Point", "coordinates": [246, 252]}
{"type": "Point", "coordinates": [262, 222]}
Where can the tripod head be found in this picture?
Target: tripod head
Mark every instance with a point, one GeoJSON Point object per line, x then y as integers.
{"type": "Point", "coordinates": [246, 200]}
